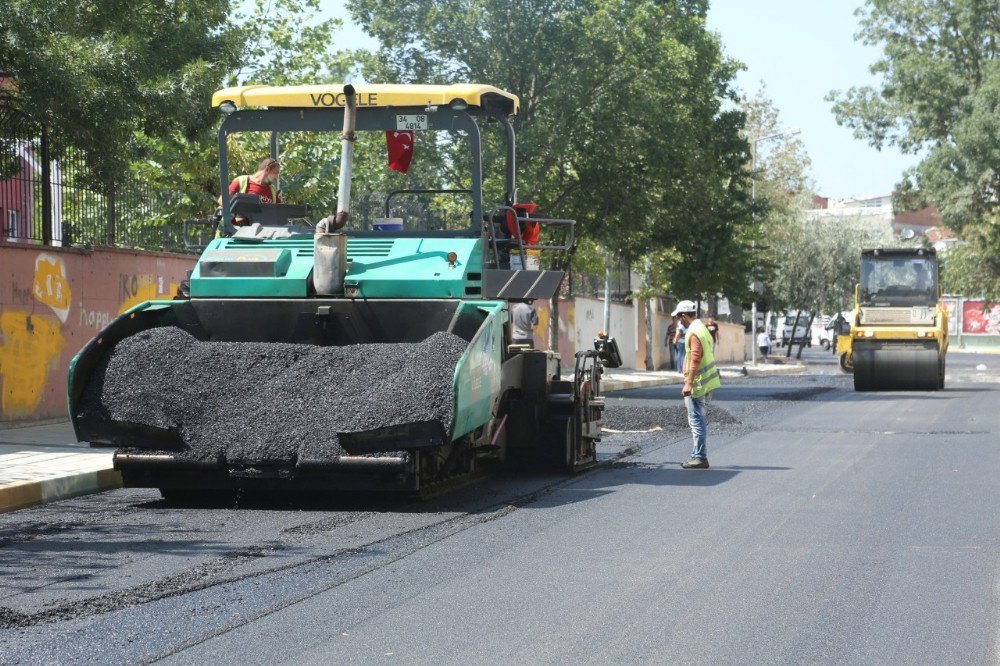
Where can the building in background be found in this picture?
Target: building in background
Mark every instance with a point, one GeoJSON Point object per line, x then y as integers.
{"type": "Point", "coordinates": [875, 213]}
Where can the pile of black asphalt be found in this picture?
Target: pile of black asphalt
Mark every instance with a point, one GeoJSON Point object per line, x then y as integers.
{"type": "Point", "coordinates": [254, 403]}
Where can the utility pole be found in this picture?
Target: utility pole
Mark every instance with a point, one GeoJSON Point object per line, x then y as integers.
{"type": "Point", "coordinates": [607, 295]}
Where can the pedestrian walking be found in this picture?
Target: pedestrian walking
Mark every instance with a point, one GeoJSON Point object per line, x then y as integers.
{"type": "Point", "coordinates": [763, 343]}
{"type": "Point", "coordinates": [668, 342]}
{"type": "Point", "coordinates": [679, 334]}
{"type": "Point", "coordinates": [713, 328]}
{"type": "Point", "coordinates": [701, 377]}
{"type": "Point", "coordinates": [523, 320]}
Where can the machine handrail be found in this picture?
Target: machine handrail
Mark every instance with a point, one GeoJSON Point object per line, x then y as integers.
{"type": "Point", "coordinates": [186, 224]}
{"type": "Point", "coordinates": [547, 221]}
{"type": "Point", "coordinates": [389, 196]}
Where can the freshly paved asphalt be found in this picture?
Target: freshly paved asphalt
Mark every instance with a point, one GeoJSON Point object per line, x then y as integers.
{"type": "Point", "coordinates": [832, 527]}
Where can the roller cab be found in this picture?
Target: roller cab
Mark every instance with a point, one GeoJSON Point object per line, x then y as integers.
{"type": "Point", "coordinates": [899, 336]}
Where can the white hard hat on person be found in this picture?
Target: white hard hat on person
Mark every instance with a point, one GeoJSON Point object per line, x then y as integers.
{"type": "Point", "coordinates": [684, 307]}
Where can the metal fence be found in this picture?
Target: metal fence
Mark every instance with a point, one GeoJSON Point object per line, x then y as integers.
{"type": "Point", "coordinates": [44, 199]}
{"type": "Point", "coordinates": [592, 285]}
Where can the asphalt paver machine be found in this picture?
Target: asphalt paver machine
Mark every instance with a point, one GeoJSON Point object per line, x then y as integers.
{"type": "Point", "coordinates": [268, 298]}
{"type": "Point", "coordinates": [899, 331]}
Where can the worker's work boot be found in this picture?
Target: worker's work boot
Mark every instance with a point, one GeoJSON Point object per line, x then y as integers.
{"type": "Point", "coordinates": [695, 463]}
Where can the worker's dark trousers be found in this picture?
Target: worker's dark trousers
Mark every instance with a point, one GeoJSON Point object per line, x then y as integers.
{"type": "Point", "coordinates": [525, 341]}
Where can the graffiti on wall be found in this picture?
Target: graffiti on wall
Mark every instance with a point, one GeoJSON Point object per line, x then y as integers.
{"type": "Point", "coordinates": [51, 287]}
{"type": "Point", "coordinates": [980, 318]}
{"type": "Point", "coordinates": [31, 343]}
{"type": "Point", "coordinates": [136, 289]}
{"type": "Point", "coordinates": [43, 323]}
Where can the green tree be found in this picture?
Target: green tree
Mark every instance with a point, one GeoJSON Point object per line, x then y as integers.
{"type": "Point", "coordinates": [819, 263]}
{"type": "Point", "coordinates": [623, 118]}
{"type": "Point", "coordinates": [939, 97]}
{"type": "Point", "coordinates": [100, 74]}
{"type": "Point", "coordinates": [972, 267]}
{"type": "Point", "coordinates": [284, 43]}
{"type": "Point", "coordinates": [783, 188]}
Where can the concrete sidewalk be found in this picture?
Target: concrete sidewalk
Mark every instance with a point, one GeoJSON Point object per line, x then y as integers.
{"type": "Point", "coordinates": [45, 463]}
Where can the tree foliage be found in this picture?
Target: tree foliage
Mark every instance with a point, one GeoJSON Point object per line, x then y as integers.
{"type": "Point", "coordinates": [100, 73]}
{"type": "Point", "coordinates": [820, 262]}
{"type": "Point", "coordinates": [283, 42]}
{"type": "Point", "coordinates": [972, 267]}
{"type": "Point", "coordinates": [940, 97]}
{"type": "Point", "coordinates": [782, 185]}
{"type": "Point", "coordinates": [623, 125]}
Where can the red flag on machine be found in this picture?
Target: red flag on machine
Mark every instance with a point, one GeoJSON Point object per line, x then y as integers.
{"type": "Point", "coordinates": [399, 143]}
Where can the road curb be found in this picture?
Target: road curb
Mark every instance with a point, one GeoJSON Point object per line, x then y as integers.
{"type": "Point", "coordinates": [24, 494]}
{"type": "Point", "coordinates": [609, 385]}
{"type": "Point", "coordinates": [793, 369]}
{"type": "Point", "coordinates": [624, 384]}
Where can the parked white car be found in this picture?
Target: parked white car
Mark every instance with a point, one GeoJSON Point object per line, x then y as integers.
{"type": "Point", "coordinates": [801, 330]}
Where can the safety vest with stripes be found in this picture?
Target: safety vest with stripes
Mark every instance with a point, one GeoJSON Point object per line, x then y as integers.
{"type": "Point", "coordinates": [707, 378]}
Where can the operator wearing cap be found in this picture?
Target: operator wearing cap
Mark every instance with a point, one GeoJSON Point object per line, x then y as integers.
{"type": "Point", "coordinates": [701, 377]}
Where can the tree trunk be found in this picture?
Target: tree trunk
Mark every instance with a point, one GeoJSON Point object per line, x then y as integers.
{"type": "Point", "coordinates": [809, 328]}
{"type": "Point", "coordinates": [795, 326]}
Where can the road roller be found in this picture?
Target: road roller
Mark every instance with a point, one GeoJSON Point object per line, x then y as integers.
{"type": "Point", "coordinates": [899, 331]}
{"type": "Point", "coordinates": [351, 348]}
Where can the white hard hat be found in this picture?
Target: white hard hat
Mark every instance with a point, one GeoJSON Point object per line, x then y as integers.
{"type": "Point", "coordinates": [685, 307]}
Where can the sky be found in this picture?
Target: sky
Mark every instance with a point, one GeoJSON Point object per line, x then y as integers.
{"type": "Point", "coordinates": [800, 50]}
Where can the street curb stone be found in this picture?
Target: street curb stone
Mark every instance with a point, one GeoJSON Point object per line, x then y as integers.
{"type": "Point", "coordinates": [24, 494]}
{"type": "Point", "coordinates": [622, 384]}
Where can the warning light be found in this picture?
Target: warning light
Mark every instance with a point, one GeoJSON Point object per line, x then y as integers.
{"type": "Point", "coordinates": [452, 257]}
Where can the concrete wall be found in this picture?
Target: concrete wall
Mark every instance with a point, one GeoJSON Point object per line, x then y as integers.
{"type": "Point", "coordinates": [52, 301]}
{"type": "Point", "coordinates": [580, 320]}
{"type": "Point", "coordinates": [730, 347]}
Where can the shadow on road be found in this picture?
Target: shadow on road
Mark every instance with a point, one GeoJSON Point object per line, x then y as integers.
{"type": "Point", "coordinates": [637, 473]}
{"type": "Point", "coordinates": [868, 396]}
{"type": "Point", "coordinates": [293, 500]}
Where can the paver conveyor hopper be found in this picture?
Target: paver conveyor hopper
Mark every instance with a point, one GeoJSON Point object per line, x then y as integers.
{"type": "Point", "coordinates": [378, 357]}
{"type": "Point", "coordinates": [899, 331]}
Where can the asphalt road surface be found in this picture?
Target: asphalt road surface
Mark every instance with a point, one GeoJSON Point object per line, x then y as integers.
{"type": "Point", "coordinates": [832, 527]}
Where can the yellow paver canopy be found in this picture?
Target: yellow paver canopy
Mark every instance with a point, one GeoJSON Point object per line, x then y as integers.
{"type": "Point", "coordinates": [384, 95]}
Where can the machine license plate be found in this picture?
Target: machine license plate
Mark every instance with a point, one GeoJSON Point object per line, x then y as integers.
{"type": "Point", "coordinates": [411, 122]}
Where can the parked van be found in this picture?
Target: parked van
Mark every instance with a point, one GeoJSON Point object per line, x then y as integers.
{"type": "Point", "coordinates": [788, 337]}
{"type": "Point", "coordinates": [821, 335]}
